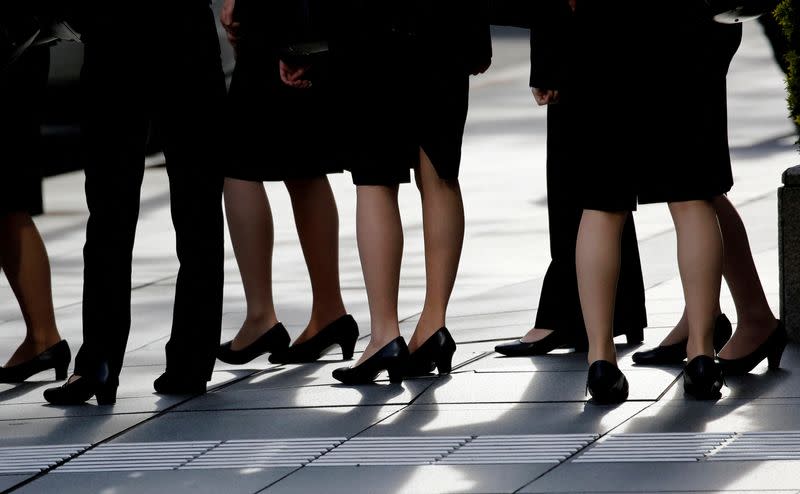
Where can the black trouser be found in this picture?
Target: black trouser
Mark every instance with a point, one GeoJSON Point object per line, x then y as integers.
{"type": "Point", "coordinates": [559, 304]}
{"type": "Point", "coordinates": [161, 64]}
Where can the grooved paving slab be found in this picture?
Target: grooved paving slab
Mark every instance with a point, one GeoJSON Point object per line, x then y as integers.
{"type": "Point", "coordinates": [137, 457]}
{"type": "Point", "coordinates": [263, 453]}
{"type": "Point", "coordinates": [655, 447]}
{"type": "Point", "coordinates": [518, 449]}
{"type": "Point", "coordinates": [761, 446]}
{"type": "Point", "coordinates": [33, 459]}
{"type": "Point", "coordinates": [402, 450]}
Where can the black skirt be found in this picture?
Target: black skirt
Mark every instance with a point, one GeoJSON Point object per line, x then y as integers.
{"type": "Point", "coordinates": [654, 121]}
{"type": "Point", "coordinates": [22, 89]}
{"type": "Point", "coordinates": [276, 132]}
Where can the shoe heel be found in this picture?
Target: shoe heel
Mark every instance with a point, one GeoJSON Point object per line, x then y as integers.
{"type": "Point", "coordinates": [775, 355]}
{"type": "Point", "coordinates": [61, 372]}
{"type": "Point", "coordinates": [635, 336]}
{"type": "Point", "coordinates": [445, 363]}
{"type": "Point", "coordinates": [348, 347]}
{"type": "Point", "coordinates": [106, 395]}
{"type": "Point", "coordinates": [396, 374]}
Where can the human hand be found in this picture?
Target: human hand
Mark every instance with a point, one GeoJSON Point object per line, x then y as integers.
{"type": "Point", "coordinates": [545, 96]}
{"type": "Point", "coordinates": [231, 26]}
{"type": "Point", "coordinates": [292, 76]}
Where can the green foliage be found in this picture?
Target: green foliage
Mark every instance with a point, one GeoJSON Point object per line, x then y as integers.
{"type": "Point", "coordinates": [788, 15]}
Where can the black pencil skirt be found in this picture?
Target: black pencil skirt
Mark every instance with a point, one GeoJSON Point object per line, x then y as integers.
{"type": "Point", "coordinates": [22, 89]}
{"type": "Point", "coordinates": [277, 132]}
{"type": "Point", "coordinates": [653, 127]}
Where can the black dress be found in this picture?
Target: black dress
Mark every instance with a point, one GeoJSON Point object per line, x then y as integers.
{"type": "Point", "coordinates": [401, 70]}
{"type": "Point", "coordinates": [653, 102]}
{"type": "Point", "coordinates": [22, 88]}
{"type": "Point", "coordinates": [278, 132]}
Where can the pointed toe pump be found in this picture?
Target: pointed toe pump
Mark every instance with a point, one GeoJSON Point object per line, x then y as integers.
{"type": "Point", "coordinates": [436, 353]}
{"type": "Point", "coordinates": [606, 383]}
{"type": "Point", "coordinates": [676, 353]}
{"type": "Point", "coordinates": [392, 358]}
{"type": "Point", "coordinates": [56, 357]}
{"type": "Point", "coordinates": [772, 350]}
{"type": "Point", "coordinates": [702, 378]}
{"type": "Point", "coordinates": [342, 332]}
{"type": "Point", "coordinates": [521, 348]}
{"type": "Point", "coordinates": [276, 339]}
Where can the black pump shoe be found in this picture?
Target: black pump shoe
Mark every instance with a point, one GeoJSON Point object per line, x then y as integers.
{"type": "Point", "coordinates": [342, 332]}
{"type": "Point", "coordinates": [436, 353]}
{"type": "Point", "coordinates": [702, 378]}
{"type": "Point", "coordinates": [393, 358]}
{"type": "Point", "coordinates": [276, 339]}
{"type": "Point", "coordinates": [606, 383]}
{"type": "Point", "coordinates": [675, 353]}
{"type": "Point", "coordinates": [56, 357]}
{"type": "Point", "coordinates": [80, 390]}
{"type": "Point", "coordinates": [172, 384]}
{"type": "Point", "coordinates": [521, 348]}
{"type": "Point", "coordinates": [772, 350]}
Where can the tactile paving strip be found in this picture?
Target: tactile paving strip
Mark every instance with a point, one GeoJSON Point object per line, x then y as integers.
{"type": "Point", "coordinates": [33, 459]}
{"type": "Point", "coordinates": [121, 457]}
{"type": "Point", "coordinates": [763, 446]}
{"type": "Point", "coordinates": [539, 448]}
{"type": "Point", "coordinates": [656, 447]}
{"type": "Point", "coordinates": [418, 450]}
{"type": "Point", "coordinates": [263, 453]}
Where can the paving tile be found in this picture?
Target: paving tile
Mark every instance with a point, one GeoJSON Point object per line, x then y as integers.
{"type": "Point", "coordinates": [311, 396]}
{"type": "Point", "coordinates": [71, 430]}
{"type": "Point", "coordinates": [409, 479]}
{"type": "Point", "coordinates": [8, 481]}
{"type": "Point", "coordinates": [233, 481]}
{"type": "Point", "coordinates": [695, 477]}
{"type": "Point", "coordinates": [475, 419]}
{"type": "Point", "coordinates": [260, 424]}
{"type": "Point", "coordinates": [538, 386]}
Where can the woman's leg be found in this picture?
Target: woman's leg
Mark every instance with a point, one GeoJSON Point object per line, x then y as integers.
{"type": "Point", "coordinates": [317, 221]}
{"type": "Point", "coordinates": [250, 225]}
{"type": "Point", "coordinates": [23, 258]}
{"type": "Point", "coordinates": [379, 231]}
{"type": "Point", "coordinates": [700, 264]}
{"type": "Point", "coordinates": [755, 318]}
{"type": "Point", "coordinates": [443, 227]}
{"type": "Point", "coordinates": [597, 261]}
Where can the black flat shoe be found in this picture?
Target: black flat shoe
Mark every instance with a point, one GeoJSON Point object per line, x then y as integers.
{"type": "Point", "coordinates": [772, 350]}
{"type": "Point", "coordinates": [393, 358]}
{"type": "Point", "coordinates": [342, 332]}
{"type": "Point", "coordinates": [676, 353]}
{"type": "Point", "coordinates": [702, 378]}
{"type": "Point", "coordinates": [81, 390]}
{"type": "Point", "coordinates": [606, 383]}
{"type": "Point", "coordinates": [169, 384]}
{"type": "Point", "coordinates": [436, 353]}
{"type": "Point", "coordinates": [276, 339]}
{"type": "Point", "coordinates": [56, 357]}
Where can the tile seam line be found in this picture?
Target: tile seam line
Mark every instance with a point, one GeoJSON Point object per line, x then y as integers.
{"type": "Point", "coordinates": [266, 487]}
{"type": "Point", "coordinates": [590, 443]}
{"type": "Point", "coordinates": [166, 410]}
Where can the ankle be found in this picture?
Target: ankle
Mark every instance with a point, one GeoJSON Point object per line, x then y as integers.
{"type": "Point", "coordinates": [602, 351]}
{"type": "Point", "coordinates": [259, 322]}
{"type": "Point", "coordinates": [696, 347]}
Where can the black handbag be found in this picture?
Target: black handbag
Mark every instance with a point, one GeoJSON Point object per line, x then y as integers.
{"type": "Point", "coordinates": [736, 11]}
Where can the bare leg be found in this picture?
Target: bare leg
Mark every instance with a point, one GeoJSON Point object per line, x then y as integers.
{"type": "Point", "coordinates": [380, 247]}
{"type": "Point", "coordinates": [755, 318]}
{"type": "Point", "coordinates": [700, 264]}
{"type": "Point", "coordinates": [598, 263]}
{"type": "Point", "coordinates": [250, 224]}
{"type": "Point", "coordinates": [443, 227]}
{"type": "Point", "coordinates": [23, 257]}
{"type": "Point", "coordinates": [317, 222]}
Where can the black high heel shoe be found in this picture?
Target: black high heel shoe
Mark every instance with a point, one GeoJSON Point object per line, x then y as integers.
{"type": "Point", "coordinates": [276, 339]}
{"type": "Point", "coordinates": [772, 350]}
{"type": "Point", "coordinates": [606, 383]}
{"type": "Point", "coordinates": [393, 358]}
{"type": "Point", "coordinates": [702, 378]}
{"type": "Point", "coordinates": [80, 390]}
{"type": "Point", "coordinates": [521, 348]}
{"type": "Point", "coordinates": [436, 353]}
{"type": "Point", "coordinates": [56, 357]}
{"type": "Point", "coordinates": [676, 353]}
{"type": "Point", "coordinates": [342, 332]}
